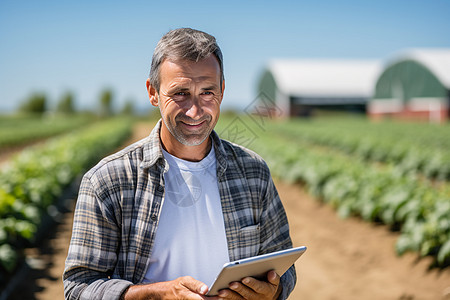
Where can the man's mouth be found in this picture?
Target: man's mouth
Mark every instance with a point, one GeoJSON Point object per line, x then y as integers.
{"type": "Point", "coordinates": [193, 125]}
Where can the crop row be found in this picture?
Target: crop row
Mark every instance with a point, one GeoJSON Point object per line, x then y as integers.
{"type": "Point", "coordinates": [356, 187]}
{"type": "Point", "coordinates": [420, 148]}
{"type": "Point", "coordinates": [17, 130]}
{"type": "Point", "coordinates": [32, 182]}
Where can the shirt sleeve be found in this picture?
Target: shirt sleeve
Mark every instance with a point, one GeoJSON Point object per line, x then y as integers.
{"type": "Point", "coordinates": [92, 253]}
{"type": "Point", "coordinates": [288, 281]}
{"type": "Point", "coordinates": [275, 233]}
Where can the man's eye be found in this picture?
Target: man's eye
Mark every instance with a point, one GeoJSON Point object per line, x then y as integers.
{"type": "Point", "coordinates": [181, 94]}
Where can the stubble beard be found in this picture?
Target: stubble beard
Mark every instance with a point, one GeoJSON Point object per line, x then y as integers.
{"type": "Point", "coordinates": [193, 139]}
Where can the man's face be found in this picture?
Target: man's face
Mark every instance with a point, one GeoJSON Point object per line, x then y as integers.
{"type": "Point", "coordinates": [189, 98]}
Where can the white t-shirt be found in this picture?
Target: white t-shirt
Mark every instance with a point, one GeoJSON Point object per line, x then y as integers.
{"type": "Point", "coordinates": [190, 239]}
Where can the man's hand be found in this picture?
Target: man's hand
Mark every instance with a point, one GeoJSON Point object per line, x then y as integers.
{"type": "Point", "coordinates": [180, 288]}
{"type": "Point", "coordinates": [250, 288]}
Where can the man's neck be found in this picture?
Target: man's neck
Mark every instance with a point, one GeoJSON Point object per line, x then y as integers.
{"type": "Point", "coordinates": [177, 149]}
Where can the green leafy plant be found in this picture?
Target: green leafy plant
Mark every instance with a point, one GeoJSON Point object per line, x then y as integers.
{"type": "Point", "coordinates": [21, 129]}
{"type": "Point", "coordinates": [32, 182]}
{"type": "Point", "coordinates": [339, 161]}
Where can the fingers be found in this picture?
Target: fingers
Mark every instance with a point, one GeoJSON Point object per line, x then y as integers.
{"type": "Point", "coordinates": [251, 288]}
{"type": "Point", "coordinates": [260, 287]}
{"type": "Point", "coordinates": [263, 287]}
{"type": "Point", "coordinates": [273, 278]}
{"type": "Point", "coordinates": [194, 285]}
{"type": "Point", "coordinates": [242, 289]}
{"type": "Point", "coordinates": [180, 288]}
{"type": "Point", "coordinates": [230, 294]}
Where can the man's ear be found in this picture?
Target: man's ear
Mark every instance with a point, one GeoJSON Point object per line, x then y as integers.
{"type": "Point", "coordinates": [152, 93]}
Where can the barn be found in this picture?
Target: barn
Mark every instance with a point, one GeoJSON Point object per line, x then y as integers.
{"type": "Point", "coordinates": [414, 84]}
{"type": "Point", "coordinates": [297, 86]}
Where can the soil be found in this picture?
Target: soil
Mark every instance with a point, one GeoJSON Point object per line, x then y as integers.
{"type": "Point", "coordinates": [346, 258]}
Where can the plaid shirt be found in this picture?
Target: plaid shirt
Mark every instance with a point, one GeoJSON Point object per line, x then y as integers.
{"type": "Point", "coordinates": [119, 204]}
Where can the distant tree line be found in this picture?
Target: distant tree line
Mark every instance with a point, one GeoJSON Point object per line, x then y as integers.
{"type": "Point", "coordinates": [37, 103]}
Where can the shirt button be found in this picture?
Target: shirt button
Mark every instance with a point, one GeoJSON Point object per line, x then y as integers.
{"type": "Point", "coordinates": [154, 217]}
{"type": "Point", "coordinates": [160, 188]}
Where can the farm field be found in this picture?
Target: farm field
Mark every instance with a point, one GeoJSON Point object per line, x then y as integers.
{"type": "Point", "coordinates": [33, 182]}
{"type": "Point", "coordinates": [373, 176]}
{"type": "Point", "coordinates": [23, 129]}
{"type": "Point", "coordinates": [19, 131]}
{"type": "Point", "coordinates": [347, 258]}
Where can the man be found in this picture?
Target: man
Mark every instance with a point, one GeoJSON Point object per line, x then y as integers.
{"type": "Point", "coordinates": [158, 219]}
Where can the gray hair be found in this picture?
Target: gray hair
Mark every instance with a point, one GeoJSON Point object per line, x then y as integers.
{"type": "Point", "coordinates": [184, 43]}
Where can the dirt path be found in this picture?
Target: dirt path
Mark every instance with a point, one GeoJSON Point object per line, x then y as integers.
{"type": "Point", "coordinates": [346, 259]}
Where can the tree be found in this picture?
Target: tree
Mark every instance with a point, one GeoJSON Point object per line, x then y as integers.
{"type": "Point", "coordinates": [66, 104]}
{"type": "Point", "coordinates": [106, 103]}
{"type": "Point", "coordinates": [36, 103]}
{"type": "Point", "coordinates": [128, 108]}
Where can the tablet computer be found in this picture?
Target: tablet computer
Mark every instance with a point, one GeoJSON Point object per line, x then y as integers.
{"type": "Point", "coordinates": [256, 266]}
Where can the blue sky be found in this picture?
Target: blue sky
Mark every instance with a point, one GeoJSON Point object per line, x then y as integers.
{"type": "Point", "coordinates": [86, 46]}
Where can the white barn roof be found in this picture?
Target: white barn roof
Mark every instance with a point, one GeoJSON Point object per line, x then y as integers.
{"type": "Point", "coordinates": [325, 78]}
{"type": "Point", "coordinates": [436, 60]}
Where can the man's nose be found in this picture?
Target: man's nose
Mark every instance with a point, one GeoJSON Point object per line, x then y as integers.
{"type": "Point", "coordinates": [194, 110]}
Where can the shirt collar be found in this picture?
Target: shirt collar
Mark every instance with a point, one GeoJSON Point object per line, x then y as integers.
{"type": "Point", "coordinates": [221, 155]}
{"type": "Point", "coordinates": [153, 150]}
